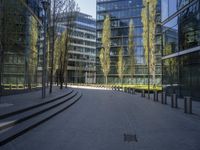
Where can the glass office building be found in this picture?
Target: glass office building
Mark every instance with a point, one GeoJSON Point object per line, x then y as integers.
{"type": "Point", "coordinates": [82, 52]}
{"type": "Point", "coordinates": [181, 47]}
{"type": "Point", "coordinates": [121, 12]}
{"type": "Point", "coordinates": [20, 44]}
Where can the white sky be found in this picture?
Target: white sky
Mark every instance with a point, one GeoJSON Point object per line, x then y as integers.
{"type": "Point", "coordinates": [88, 7]}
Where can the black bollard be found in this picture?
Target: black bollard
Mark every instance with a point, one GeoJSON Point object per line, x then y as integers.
{"type": "Point", "coordinates": [188, 105]}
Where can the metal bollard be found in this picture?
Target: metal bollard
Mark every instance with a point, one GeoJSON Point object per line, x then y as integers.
{"type": "Point", "coordinates": [133, 91]}
{"type": "Point", "coordinates": [155, 96]}
{"type": "Point", "coordinates": [164, 98]}
{"type": "Point", "coordinates": [143, 93]}
{"type": "Point", "coordinates": [174, 103]}
{"type": "Point", "coordinates": [188, 105]}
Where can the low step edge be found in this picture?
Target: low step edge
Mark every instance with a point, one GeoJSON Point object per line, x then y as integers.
{"type": "Point", "coordinates": [13, 123]}
{"type": "Point", "coordinates": [12, 137]}
{"type": "Point", "coordinates": [6, 115]}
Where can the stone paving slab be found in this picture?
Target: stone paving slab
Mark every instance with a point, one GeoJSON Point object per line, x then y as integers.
{"type": "Point", "coordinates": [15, 102]}
{"type": "Point", "coordinates": [100, 120]}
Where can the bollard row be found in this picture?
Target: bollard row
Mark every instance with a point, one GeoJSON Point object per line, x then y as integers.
{"type": "Point", "coordinates": [174, 98]}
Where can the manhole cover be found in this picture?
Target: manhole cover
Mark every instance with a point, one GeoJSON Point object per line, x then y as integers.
{"type": "Point", "coordinates": [130, 138]}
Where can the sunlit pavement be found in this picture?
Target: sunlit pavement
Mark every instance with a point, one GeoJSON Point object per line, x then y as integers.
{"type": "Point", "coordinates": [102, 117]}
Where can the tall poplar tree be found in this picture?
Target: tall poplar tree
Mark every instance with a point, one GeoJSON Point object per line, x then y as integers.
{"type": "Point", "coordinates": [105, 51]}
{"type": "Point", "coordinates": [131, 49]}
{"type": "Point", "coordinates": [120, 64]}
{"type": "Point", "coordinates": [33, 56]}
{"type": "Point", "coordinates": [152, 33]}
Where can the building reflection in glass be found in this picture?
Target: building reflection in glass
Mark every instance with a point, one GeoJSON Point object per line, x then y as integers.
{"type": "Point", "coordinates": [21, 44]}
{"type": "Point", "coordinates": [121, 12]}
{"type": "Point", "coordinates": [181, 49]}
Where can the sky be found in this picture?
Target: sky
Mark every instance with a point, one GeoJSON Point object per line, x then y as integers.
{"type": "Point", "coordinates": [88, 7]}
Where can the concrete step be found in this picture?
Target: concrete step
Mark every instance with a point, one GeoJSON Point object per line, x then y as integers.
{"type": "Point", "coordinates": [19, 129]}
{"type": "Point", "coordinates": [18, 118]}
{"type": "Point", "coordinates": [15, 112]}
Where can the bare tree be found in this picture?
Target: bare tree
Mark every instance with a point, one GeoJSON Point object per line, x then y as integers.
{"type": "Point", "coordinates": [62, 10]}
{"type": "Point", "coordinates": [57, 8]}
{"type": "Point", "coordinates": [66, 16]}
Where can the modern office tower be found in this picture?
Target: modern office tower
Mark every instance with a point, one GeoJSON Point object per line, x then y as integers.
{"type": "Point", "coordinates": [120, 13]}
{"type": "Point", "coordinates": [181, 47]}
{"type": "Point", "coordinates": [20, 43]}
{"type": "Point", "coordinates": [82, 53]}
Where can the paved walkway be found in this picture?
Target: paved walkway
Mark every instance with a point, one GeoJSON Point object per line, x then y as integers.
{"type": "Point", "coordinates": [15, 102]}
{"type": "Point", "coordinates": [100, 120]}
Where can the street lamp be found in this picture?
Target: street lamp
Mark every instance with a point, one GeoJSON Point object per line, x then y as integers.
{"type": "Point", "coordinates": [45, 5]}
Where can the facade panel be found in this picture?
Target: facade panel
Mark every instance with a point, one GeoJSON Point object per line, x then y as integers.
{"type": "Point", "coordinates": [20, 44]}
{"type": "Point", "coordinates": [82, 53]}
{"type": "Point", "coordinates": [121, 12]}
{"type": "Point", "coordinates": [181, 49]}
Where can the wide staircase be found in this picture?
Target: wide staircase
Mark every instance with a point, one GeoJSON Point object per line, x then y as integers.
{"type": "Point", "coordinates": [18, 122]}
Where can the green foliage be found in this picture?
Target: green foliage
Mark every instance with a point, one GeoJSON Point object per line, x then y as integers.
{"type": "Point", "coordinates": [56, 53]}
{"type": "Point", "coordinates": [33, 52]}
{"type": "Point", "coordinates": [105, 51]}
{"type": "Point", "coordinates": [60, 48]}
{"type": "Point", "coordinates": [131, 48]}
{"type": "Point", "coordinates": [60, 56]}
{"type": "Point", "coordinates": [120, 64]}
{"type": "Point", "coordinates": [152, 31]}
{"type": "Point", "coordinates": [171, 64]}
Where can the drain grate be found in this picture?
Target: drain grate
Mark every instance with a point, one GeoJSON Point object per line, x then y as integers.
{"type": "Point", "coordinates": [130, 138]}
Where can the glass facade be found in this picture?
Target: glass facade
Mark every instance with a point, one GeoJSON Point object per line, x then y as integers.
{"type": "Point", "coordinates": [82, 53]}
{"type": "Point", "coordinates": [181, 49]}
{"type": "Point", "coordinates": [20, 44]}
{"type": "Point", "coordinates": [121, 12]}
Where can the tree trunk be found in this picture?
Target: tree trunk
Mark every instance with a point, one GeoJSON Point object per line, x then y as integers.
{"type": "Point", "coordinates": [66, 78]}
{"type": "Point", "coordinates": [61, 80]}
{"type": "Point", "coordinates": [52, 49]}
{"type": "Point", "coordinates": [154, 79]}
{"type": "Point", "coordinates": [106, 80]}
